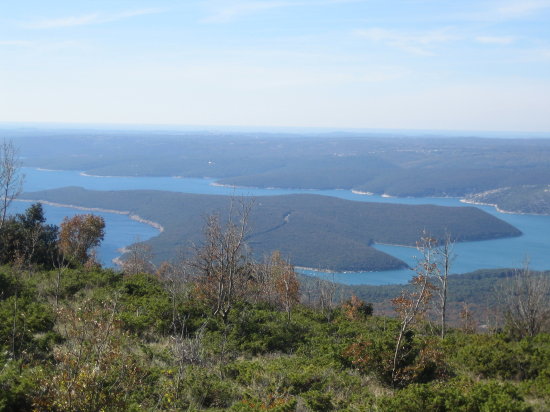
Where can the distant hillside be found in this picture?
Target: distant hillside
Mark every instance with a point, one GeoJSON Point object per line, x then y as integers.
{"type": "Point", "coordinates": [313, 231]}
{"type": "Point", "coordinates": [398, 166]}
{"type": "Point", "coordinates": [531, 199]}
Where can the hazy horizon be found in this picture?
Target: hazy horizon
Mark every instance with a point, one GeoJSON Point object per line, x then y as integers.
{"type": "Point", "coordinates": [179, 128]}
{"type": "Point", "coordinates": [336, 64]}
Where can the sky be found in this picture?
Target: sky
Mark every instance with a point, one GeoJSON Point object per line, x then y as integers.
{"type": "Point", "coordinates": [397, 64]}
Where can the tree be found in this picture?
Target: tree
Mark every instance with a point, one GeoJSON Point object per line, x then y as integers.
{"type": "Point", "coordinates": [222, 262]}
{"type": "Point", "coordinates": [287, 286]}
{"type": "Point", "coordinates": [435, 262]}
{"type": "Point", "coordinates": [326, 290]}
{"type": "Point", "coordinates": [176, 278]}
{"type": "Point", "coordinates": [138, 259]}
{"type": "Point", "coordinates": [27, 239]}
{"type": "Point", "coordinates": [524, 299]}
{"type": "Point", "coordinates": [79, 235]}
{"type": "Point", "coordinates": [412, 305]}
{"type": "Point", "coordinates": [356, 309]}
{"type": "Point", "coordinates": [444, 257]}
{"type": "Point", "coordinates": [11, 180]}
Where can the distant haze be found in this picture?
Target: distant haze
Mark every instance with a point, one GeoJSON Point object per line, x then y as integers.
{"type": "Point", "coordinates": [11, 129]}
{"type": "Point", "coordinates": [478, 65]}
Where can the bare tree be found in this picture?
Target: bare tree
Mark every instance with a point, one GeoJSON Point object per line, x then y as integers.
{"type": "Point", "coordinates": [60, 265]}
{"type": "Point", "coordinates": [444, 256]}
{"type": "Point", "coordinates": [468, 323]}
{"type": "Point", "coordinates": [327, 288]}
{"type": "Point", "coordinates": [264, 286]}
{"type": "Point", "coordinates": [222, 262]}
{"type": "Point", "coordinates": [11, 180]}
{"type": "Point", "coordinates": [412, 305]}
{"type": "Point", "coordinates": [138, 259]}
{"type": "Point", "coordinates": [187, 350]}
{"type": "Point", "coordinates": [436, 259]}
{"type": "Point", "coordinates": [286, 285]}
{"type": "Point", "coordinates": [176, 279]}
{"type": "Point", "coordinates": [524, 302]}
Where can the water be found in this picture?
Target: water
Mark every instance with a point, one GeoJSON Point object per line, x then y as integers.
{"type": "Point", "coordinates": [121, 231]}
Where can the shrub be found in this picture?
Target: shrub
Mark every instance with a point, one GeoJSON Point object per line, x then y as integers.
{"type": "Point", "coordinates": [17, 386]}
{"type": "Point", "coordinates": [318, 401]}
{"type": "Point", "coordinates": [205, 389]}
{"type": "Point", "coordinates": [259, 331]}
{"type": "Point", "coordinates": [456, 397]}
{"type": "Point", "coordinates": [145, 305]}
{"type": "Point", "coordinates": [496, 357]}
{"type": "Point", "coordinates": [423, 359]}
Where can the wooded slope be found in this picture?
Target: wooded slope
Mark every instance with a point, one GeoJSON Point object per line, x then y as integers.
{"type": "Point", "coordinates": [311, 230]}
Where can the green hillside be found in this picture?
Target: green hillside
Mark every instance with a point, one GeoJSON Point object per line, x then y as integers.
{"type": "Point", "coordinates": [80, 339]}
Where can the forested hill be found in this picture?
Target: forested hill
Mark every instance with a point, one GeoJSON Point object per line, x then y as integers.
{"type": "Point", "coordinates": [512, 199]}
{"type": "Point", "coordinates": [396, 165]}
{"type": "Point", "coordinates": [312, 230]}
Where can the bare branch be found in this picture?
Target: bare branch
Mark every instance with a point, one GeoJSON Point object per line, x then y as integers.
{"type": "Point", "coordinates": [11, 179]}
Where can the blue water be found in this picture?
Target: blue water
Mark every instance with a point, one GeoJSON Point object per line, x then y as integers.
{"type": "Point", "coordinates": [121, 231]}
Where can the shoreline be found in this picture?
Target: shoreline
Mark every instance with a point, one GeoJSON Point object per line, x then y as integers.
{"type": "Point", "coordinates": [137, 218]}
{"type": "Point", "coordinates": [359, 192]}
{"type": "Point", "coordinates": [497, 208]}
{"type": "Point", "coordinates": [228, 186]}
{"type": "Point", "coordinates": [117, 261]}
{"type": "Point", "coordinates": [392, 244]}
{"type": "Point", "coordinates": [346, 272]}
{"type": "Point", "coordinates": [134, 217]}
{"type": "Point", "coordinates": [90, 175]}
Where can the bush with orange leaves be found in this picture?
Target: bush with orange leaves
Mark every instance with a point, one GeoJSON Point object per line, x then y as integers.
{"type": "Point", "coordinates": [356, 309]}
{"type": "Point", "coordinates": [79, 235]}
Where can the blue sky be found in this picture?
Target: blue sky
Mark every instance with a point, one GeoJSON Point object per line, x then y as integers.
{"type": "Point", "coordinates": [399, 64]}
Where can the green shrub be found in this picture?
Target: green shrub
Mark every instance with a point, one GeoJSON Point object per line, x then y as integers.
{"type": "Point", "coordinates": [423, 359]}
{"type": "Point", "coordinates": [145, 305]}
{"type": "Point", "coordinates": [259, 331]}
{"type": "Point", "coordinates": [494, 356]}
{"type": "Point", "coordinates": [318, 401]}
{"type": "Point", "coordinates": [456, 396]}
{"type": "Point", "coordinates": [17, 385]}
{"type": "Point", "coordinates": [205, 389]}
{"type": "Point", "coordinates": [271, 403]}
{"type": "Point", "coordinates": [22, 320]}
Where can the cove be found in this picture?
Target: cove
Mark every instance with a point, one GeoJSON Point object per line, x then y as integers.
{"type": "Point", "coordinates": [121, 231]}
